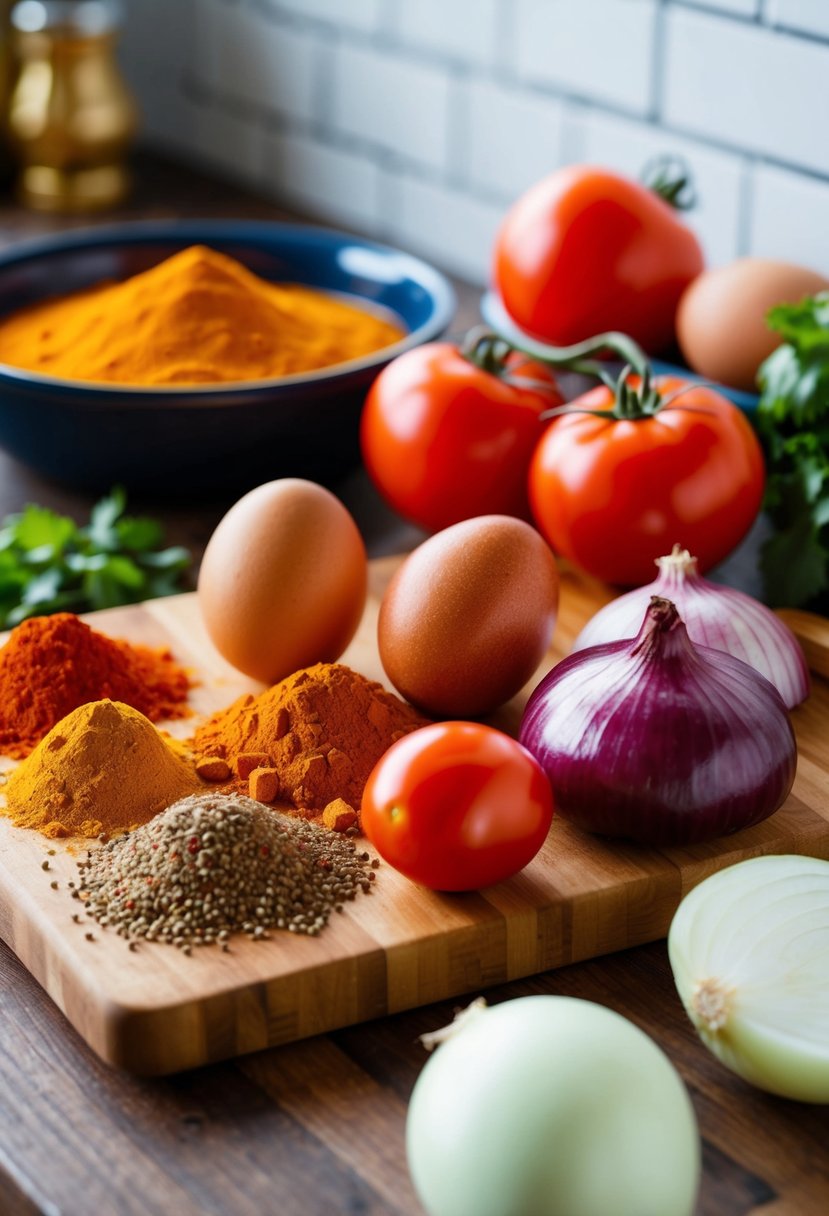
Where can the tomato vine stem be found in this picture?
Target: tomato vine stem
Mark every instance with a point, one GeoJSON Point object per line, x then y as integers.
{"type": "Point", "coordinates": [490, 350]}
{"type": "Point", "coordinates": [632, 401]}
{"type": "Point", "coordinates": [670, 178]}
{"type": "Point", "coordinates": [578, 357]}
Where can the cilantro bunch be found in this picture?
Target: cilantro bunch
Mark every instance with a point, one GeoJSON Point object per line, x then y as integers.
{"type": "Point", "coordinates": [48, 564]}
{"type": "Point", "coordinates": [793, 423]}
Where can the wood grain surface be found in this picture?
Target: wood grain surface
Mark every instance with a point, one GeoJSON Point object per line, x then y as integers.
{"type": "Point", "coordinates": [156, 1011]}
{"type": "Point", "coordinates": [316, 1128]}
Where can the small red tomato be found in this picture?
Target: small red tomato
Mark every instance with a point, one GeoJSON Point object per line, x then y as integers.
{"type": "Point", "coordinates": [457, 806]}
{"type": "Point", "coordinates": [586, 250]}
{"type": "Point", "coordinates": [612, 494]}
{"type": "Point", "coordinates": [445, 438]}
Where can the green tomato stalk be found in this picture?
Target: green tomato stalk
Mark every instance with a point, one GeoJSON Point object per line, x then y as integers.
{"type": "Point", "coordinates": [489, 350]}
{"type": "Point", "coordinates": [670, 178]}
{"type": "Point", "coordinates": [575, 358]}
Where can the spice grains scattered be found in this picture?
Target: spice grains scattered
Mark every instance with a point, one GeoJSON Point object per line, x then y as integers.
{"type": "Point", "coordinates": [103, 769]}
{"type": "Point", "coordinates": [322, 729]}
{"type": "Point", "coordinates": [53, 664]}
{"type": "Point", "coordinates": [216, 864]}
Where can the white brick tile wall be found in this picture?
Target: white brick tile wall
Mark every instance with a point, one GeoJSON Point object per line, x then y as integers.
{"type": "Point", "coordinates": [740, 8]}
{"type": "Point", "coordinates": [400, 105]}
{"type": "Point", "coordinates": [627, 145]}
{"type": "Point", "coordinates": [510, 139]}
{"type": "Point", "coordinates": [466, 30]}
{"type": "Point", "coordinates": [599, 49]}
{"type": "Point", "coordinates": [331, 184]}
{"type": "Point", "coordinates": [790, 218]}
{"type": "Point", "coordinates": [232, 143]}
{"type": "Point", "coordinates": [154, 68]}
{"type": "Point", "coordinates": [419, 120]}
{"type": "Point", "coordinates": [748, 87]}
{"type": "Point", "coordinates": [139, 34]}
{"type": "Point", "coordinates": [173, 125]}
{"type": "Point", "coordinates": [202, 56]}
{"type": "Point", "coordinates": [354, 14]}
{"type": "Point", "coordinates": [456, 230]}
{"type": "Point", "coordinates": [810, 16]}
{"type": "Point", "coordinates": [261, 62]}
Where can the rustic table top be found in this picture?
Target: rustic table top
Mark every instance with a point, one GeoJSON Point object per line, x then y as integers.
{"type": "Point", "coordinates": [317, 1127]}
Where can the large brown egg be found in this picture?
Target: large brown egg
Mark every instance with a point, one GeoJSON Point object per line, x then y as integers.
{"type": "Point", "coordinates": [721, 321]}
{"type": "Point", "coordinates": [283, 580]}
{"type": "Point", "coordinates": [468, 616]}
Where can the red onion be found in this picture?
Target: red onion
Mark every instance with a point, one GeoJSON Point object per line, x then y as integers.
{"type": "Point", "coordinates": [659, 740]}
{"type": "Point", "coordinates": [715, 616]}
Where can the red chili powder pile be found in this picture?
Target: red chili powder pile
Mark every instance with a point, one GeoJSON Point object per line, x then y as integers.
{"type": "Point", "coordinates": [51, 665]}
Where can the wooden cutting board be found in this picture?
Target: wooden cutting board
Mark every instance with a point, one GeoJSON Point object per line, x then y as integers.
{"type": "Point", "coordinates": [156, 1011]}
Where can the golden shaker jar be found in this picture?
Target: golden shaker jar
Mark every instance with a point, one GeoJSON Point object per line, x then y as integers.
{"type": "Point", "coordinates": [70, 118]}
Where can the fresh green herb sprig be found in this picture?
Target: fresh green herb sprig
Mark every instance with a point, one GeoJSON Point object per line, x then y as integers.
{"type": "Point", "coordinates": [48, 564]}
{"type": "Point", "coordinates": [793, 423]}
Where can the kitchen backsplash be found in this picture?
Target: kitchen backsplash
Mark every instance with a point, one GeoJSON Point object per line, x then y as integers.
{"type": "Point", "coordinates": [417, 121]}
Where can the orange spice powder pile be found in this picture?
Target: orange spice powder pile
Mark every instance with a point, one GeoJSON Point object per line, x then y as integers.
{"type": "Point", "coordinates": [317, 734]}
{"type": "Point", "coordinates": [51, 665]}
{"type": "Point", "coordinates": [200, 317]}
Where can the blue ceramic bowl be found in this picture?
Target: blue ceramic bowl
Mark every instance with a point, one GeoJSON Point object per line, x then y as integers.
{"type": "Point", "coordinates": [184, 440]}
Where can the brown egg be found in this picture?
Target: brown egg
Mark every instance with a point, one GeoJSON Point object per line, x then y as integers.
{"type": "Point", "coordinates": [468, 616]}
{"type": "Point", "coordinates": [283, 581]}
{"type": "Point", "coordinates": [721, 322]}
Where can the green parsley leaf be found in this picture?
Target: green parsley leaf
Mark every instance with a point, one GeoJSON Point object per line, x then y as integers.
{"type": "Point", "coordinates": [44, 587]}
{"type": "Point", "coordinates": [793, 424]}
{"type": "Point", "coordinates": [139, 534]}
{"type": "Point", "coordinates": [86, 563]}
{"type": "Point", "coordinates": [175, 558]}
{"type": "Point", "coordinates": [37, 527]}
{"type": "Point", "coordinates": [49, 564]}
{"type": "Point", "coordinates": [800, 553]}
{"type": "Point", "coordinates": [103, 591]}
{"type": "Point", "coordinates": [805, 325]}
{"type": "Point", "coordinates": [124, 571]}
{"type": "Point", "coordinates": [101, 530]}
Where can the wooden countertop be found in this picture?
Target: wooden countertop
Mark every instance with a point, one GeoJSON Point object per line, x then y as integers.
{"type": "Point", "coordinates": [317, 1128]}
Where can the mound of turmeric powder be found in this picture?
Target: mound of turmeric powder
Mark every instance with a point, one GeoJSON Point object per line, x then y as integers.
{"type": "Point", "coordinates": [199, 317]}
{"type": "Point", "coordinates": [103, 768]}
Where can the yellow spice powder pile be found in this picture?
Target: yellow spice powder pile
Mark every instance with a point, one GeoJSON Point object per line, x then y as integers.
{"type": "Point", "coordinates": [200, 317]}
{"type": "Point", "coordinates": [103, 769]}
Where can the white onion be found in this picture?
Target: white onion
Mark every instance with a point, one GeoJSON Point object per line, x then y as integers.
{"type": "Point", "coordinates": [716, 616]}
{"type": "Point", "coordinates": [551, 1106]}
{"type": "Point", "coordinates": [749, 949]}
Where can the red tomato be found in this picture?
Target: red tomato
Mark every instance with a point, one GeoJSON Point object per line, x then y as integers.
{"type": "Point", "coordinates": [457, 806]}
{"type": "Point", "coordinates": [612, 495]}
{"type": "Point", "coordinates": [444, 440]}
{"type": "Point", "coordinates": [585, 251]}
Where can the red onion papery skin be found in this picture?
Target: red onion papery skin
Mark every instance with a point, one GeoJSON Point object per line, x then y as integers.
{"type": "Point", "coordinates": [754, 633]}
{"type": "Point", "coordinates": [660, 741]}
